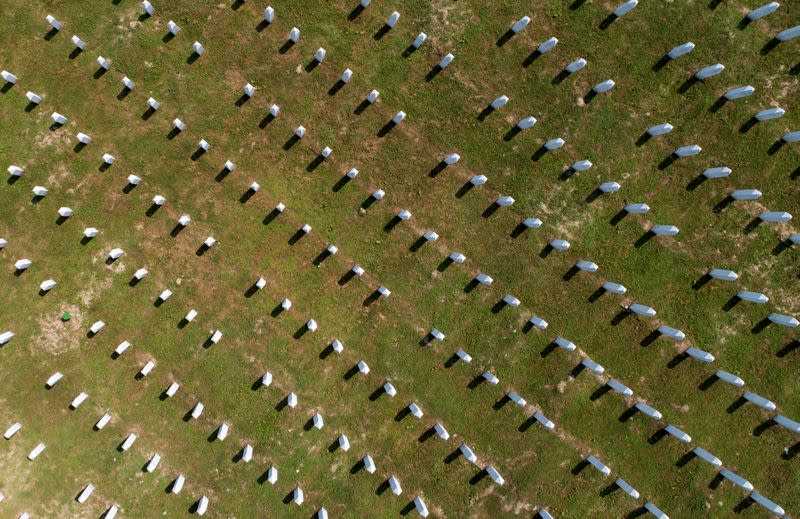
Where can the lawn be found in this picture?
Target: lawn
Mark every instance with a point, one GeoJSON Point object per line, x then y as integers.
{"type": "Point", "coordinates": [446, 113]}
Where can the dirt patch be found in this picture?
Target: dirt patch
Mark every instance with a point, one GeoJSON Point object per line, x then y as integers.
{"type": "Point", "coordinates": [518, 507]}
{"type": "Point", "coordinates": [438, 511]}
{"type": "Point", "coordinates": [449, 22]}
{"type": "Point", "coordinates": [725, 333]}
{"type": "Point", "coordinates": [116, 266]}
{"type": "Point", "coordinates": [56, 177]}
{"type": "Point", "coordinates": [682, 408]}
{"type": "Point", "coordinates": [19, 480]}
{"type": "Point", "coordinates": [790, 303]}
{"type": "Point", "coordinates": [93, 289]}
{"type": "Point", "coordinates": [466, 81]}
{"type": "Point", "coordinates": [128, 22]}
{"type": "Point", "coordinates": [235, 79]}
{"type": "Point", "coordinates": [48, 138]}
{"type": "Point", "coordinates": [58, 336]}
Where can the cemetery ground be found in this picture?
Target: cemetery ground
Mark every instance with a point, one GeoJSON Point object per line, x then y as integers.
{"type": "Point", "coordinates": [446, 113]}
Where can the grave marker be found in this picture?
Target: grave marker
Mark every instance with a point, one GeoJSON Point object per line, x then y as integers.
{"type": "Point", "coordinates": [102, 422]}
{"type": "Point", "coordinates": [148, 8]}
{"type": "Point", "coordinates": [599, 465]}
{"type": "Point", "coordinates": [173, 28]}
{"type": "Point", "coordinates": [85, 493]}
{"type": "Point", "coordinates": [55, 24]}
{"type": "Point", "coordinates": [709, 71]}
{"type": "Point", "coordinates": [681, 50]}
{"type": "Point", "coordinates": [8, 77]}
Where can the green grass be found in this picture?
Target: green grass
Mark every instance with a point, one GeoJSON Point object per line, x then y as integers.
{"type": "Point", "coordinates": [442, 118]}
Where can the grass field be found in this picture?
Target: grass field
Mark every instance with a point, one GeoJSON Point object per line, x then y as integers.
{"type": "Point", "coordinates": [541, 468]}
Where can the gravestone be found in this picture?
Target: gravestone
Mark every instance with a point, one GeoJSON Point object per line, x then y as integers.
{"type": "Point", "coordinates": [688, 151]}
{"type": "Point", "coordinates": [620, 388]}
{"type": "Point", "coordinates": [152, 464]}
{"type": "Point", "coordinates": [775, 216]}
{"type": "Point", "coordinates": [565, 344]}
{"type": "Point", "coordinates": [173, 28]}
{"type": "Point", "coordinates": [538, 322]}
{"type": "Point", "coordinates": [729, 378]}
{"type": "Point", "coordinates": [752, 297]}
{"type": "Point", "coordinates": [544, 421]}
{"type": "Point", "coordinates": [102, 422]}
{"type": "Point", "coordinates": [419, 505]}
{"type": "Point", "coordinates": [58, 118]}
{"type": "Point", "coordinates": [55, 24]}
{"type": "Point", "coordinates": [625, 487]}
{"type": "Point", "coordinates": [8, 77]}
{"type": "Point", "coordinates": [648, 410]}
{"type": "Point", "coordinates": [499, 102]}
{"type": "Point", "coordinates": [746, 194]}
{"type": "Point", "coordinates": [766, 503]}
{"type": "Point", "coordinates": [659, 129]}
{"type": "Point", "coordinates": [738, 92]}
{"type": "Point", "coordinates": [592, 366]}
{"type": "Point", "coordinates": [717, 172]}
{"type": "Point", "coordinates": [495, 475]}
{"type": "Point", "coordinates": [532, 223]}
{"type": "Point", "coordinates": [445, 61]}
{"type": "Point", "coordinates": [172, 389]}
{"type": "Point", "coordinates": [520, 24]}
{"type": "Point", "coordinates": [709, 71]}
{"type": "Point", "coordinates": [575, 66]}
{"type": "Point", "coordinates": [202, 506]}
{"type": "Point", "coordinates": [547, 45]}
{"type": "Point", "coordinates": [677, 433]}
{"type": "Point", "coordinates": [770, 113]}
{"type": "Point", "coordinates": [103, 62]}
{"type": "Point", "coordinates": [394, 485]}
{"type": "Point", "coordinates": [147, 7]}
{"type": "Point", "coordinates": [464, 356]}
{"type": "Point", "coordinates": [554, 144]}
{"type": "Point", "coordinates": [34, 99]}
{"type": "Point", "coordinates": [603, 86]}
{"type": "Point", "coordinates": [598, 465]}
{"type": "Point", "coordinates": [625, 8]}
{"type": "Point", "coordinates": [784, 320]}
{"type": "Point", "coordinates": [759, 401]}
{"type": "Point", "coordinates": [672, 333]}
{"type": "Point", "coordinates": [681, 50]}
{"type": "Point", "coordinates": [788, 34]}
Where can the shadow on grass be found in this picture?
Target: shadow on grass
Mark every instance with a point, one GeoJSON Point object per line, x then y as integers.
{"type": "Point", "coordinates": [789, 348]}
{"type": "Point", "coordinates": [357, 10]}
{"type": "Point", "coordinates": [531, 58]}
